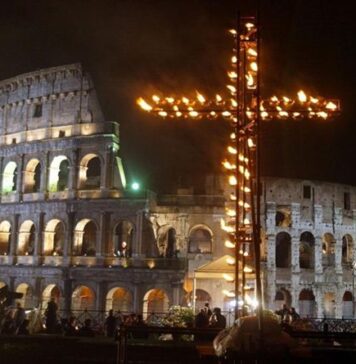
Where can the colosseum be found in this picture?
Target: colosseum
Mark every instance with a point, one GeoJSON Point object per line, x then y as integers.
{"type": "Point", "coordinates": [70, 229]}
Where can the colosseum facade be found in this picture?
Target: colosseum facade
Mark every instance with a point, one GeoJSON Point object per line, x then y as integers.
{"type": "Point", "coordinates": [70, 229]}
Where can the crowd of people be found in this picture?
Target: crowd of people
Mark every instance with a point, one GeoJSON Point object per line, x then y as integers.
{"type": "Point", "coordinates": [288, 315]}
{"type": "Point", "coordinates": [207, 318]}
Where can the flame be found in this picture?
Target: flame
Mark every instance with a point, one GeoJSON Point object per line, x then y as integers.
{"type": "Point", "coordinates": [230, 260]}
{"type": "Point", "coordinates": [252, 52]}
{"type": "Point", "coordinates": [218, 98]}
{"type": "Point", "coordinates": [162, 113]}
{"type": "Point", "coordinates": [248, 269]}
{"type": "Point", "coordinates": [233, 102]}
{"type": "Point", "coordinates": [249, 26]}
{"type": "Point", "coordinates": [226, 113]}
{"type": "Point", "coordinates": [233, 59]}
{"type": "Point", "coordinates": [331, 106]}
{"type": "Point", "coordinates": [228, 165]}
{"type": "Point", "coordinates": [253, 66]}
{"type": "Point", "coordinates": [250, 80]}
{"type": "Point", "coordinates": [200, 98]}
{"type": "Point", "coordinates": [170, 100]}
{"type": "Point", "coordinates": [232, 74]}
{"type": "Point", "coordinates": [313, 100]}
{"type": "Point", "coordinates": [230, 213]}
{"type": "Point", "coordinates": [156, 99]}
{"type": "Point", "coordinates": [246, 221]}
{"type": "Point", "coordinates": [250, 143]}
{"type": "Point", "coordinates": [185, 100]}
{"type": "Point", "coordinates": [232, 181]}
{"type": "Point", "coordinates": [231, 150]}
{"type": "Point", "coordinates": [233, 31]}
{"type": "Point", "coordinates": [231, 88]}
{"type": "Point", "coordinates": [274, 98]}
{"type": "Point", "coordinates": [302, 96]}
{"type": "Point", "coordinates": [232, 197]}
{"type": "Point", "coordinates": [143, 104]}
{"type": "Point", "coordinates": [193, 113]}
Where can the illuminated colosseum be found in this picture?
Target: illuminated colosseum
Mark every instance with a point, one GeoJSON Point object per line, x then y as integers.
{"type": "Point", "coordinates": [70, 229]}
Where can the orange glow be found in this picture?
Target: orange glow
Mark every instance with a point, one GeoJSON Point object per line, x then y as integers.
{"type": "Point", "coordinates": [143, 104]}
{"type": "Point", "coordinates": [331, 106]}
{"type": "Point", "coordinates": [200, 98]}
{"type": "Point", "coordinates": [231, 150]}
{"type": "Point", "coordinates": [156, 99]}
{"type": "Point", "coordinates": [232, 181]}
{"type": "Point", "coordinates": [252, 52]}
{"type": "Point", "coordinates": [302, 96]}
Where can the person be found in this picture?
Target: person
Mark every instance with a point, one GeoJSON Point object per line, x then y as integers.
{"type": "Point", "coordinates": [51, 316]}
{"type": "Point", "coordinates": [201, 319]}
{"type": "Point", "coordinates": [110, 324]}
{"type": "Point", "coordinates": [138, 322]}
{"type": "Point", "coordinates": [23, 329]}
{"type": "Point", "coordinates": [294, 315]}
{"type": "Point", "coordinates": [207, 309]}
{"type": "Point", "coordinates": [19, 316]}
{"type": "Point", "coordinates": [69, 327]}
{"type": "Point", "coordinates": [217, 320]}
{"type": "Point", "coordinates": [284, 313]}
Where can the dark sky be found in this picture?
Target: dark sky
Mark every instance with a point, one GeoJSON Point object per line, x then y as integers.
{"type": "Point", "coordinates": [134, 47]}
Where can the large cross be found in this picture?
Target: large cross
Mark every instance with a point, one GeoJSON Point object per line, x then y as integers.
{"type": "Point", "coordinates": [242, 106]}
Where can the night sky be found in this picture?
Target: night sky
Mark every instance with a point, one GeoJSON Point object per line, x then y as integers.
{"type": "Point", "coordinates": [133, 48]}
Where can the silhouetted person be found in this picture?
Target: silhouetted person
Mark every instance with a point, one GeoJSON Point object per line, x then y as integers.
{"type": "Point", "coordinates": [110, 324]}
{"type": "Point", "coordinates": [201, 319]}
{"type": "Point", "coordinates": [294, 314]}
{"type": "Point", "coordinates": [23, 329]}
{"type": "Point", "coordinates": [51, 316]}
{"type": "Point", "coordinates": [217, 320]}
{"type": "Point", "coordinates": [19, 316]}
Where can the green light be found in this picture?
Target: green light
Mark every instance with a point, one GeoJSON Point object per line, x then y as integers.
{"type": "Point", "coordinates": [135, 186]}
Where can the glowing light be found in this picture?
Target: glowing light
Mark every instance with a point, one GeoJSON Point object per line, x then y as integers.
{"type": "Point", "coordinates": [331, 106]}
{"type": "Point", "coordinates": [228, 277]}
{"type": "Point", "coordinates": [228, 293]}
{"type": "Point", "coordinates": [143, 104]}
{"type": "Point", "coordinates": [231, 150]}
{"type": "Point", "coordinates": [253, 66]}
{"type": "Point", "coordinates": [200, 98]}
{"type": "Point", "coordinates": [229, 244]}
{"type": "Point", "coordinates": [230, 260]}
{"type": "Point", "coordinates": [193, 113]}
{"type": "Point", "coordinates": [156, 99]}
{"type": "Point", "coordinates": [302, 96]}
{"type": "Point", "coordinates": [228, 165]}
{"type": "Point", "coordinates": [232, 88]}
{"type": "Point", "coordinates": [162, 113]}
{"type": "Point", "coordinates": [252, 52]}
{"type": "Point", "coordinates": [232, 181]}
{"type": "Point", "coordinates": [218, 98]}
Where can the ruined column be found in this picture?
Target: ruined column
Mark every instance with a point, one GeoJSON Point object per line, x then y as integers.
{"type": "Point", "coordinates": [39, 239]}
{"type": "Point", "coordinates": [318, 257]}
{"type": "Point", "coordinates": [338, 255]}
{"type": "Point", "coordinates": [73, 175]}
{"type": "Point", "coordinates": [137, 248]}
{"type": "Point", "coordinates": [68, 241]}
{"type": "Point", "coordinates": [14, 237]}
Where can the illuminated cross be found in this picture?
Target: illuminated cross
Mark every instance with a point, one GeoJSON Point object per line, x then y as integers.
{"type": "Point", "coordinates": [243, 107]}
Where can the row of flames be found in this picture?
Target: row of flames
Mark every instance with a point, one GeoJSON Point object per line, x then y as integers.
{"type": "Point", "coordinates": [238, 105]}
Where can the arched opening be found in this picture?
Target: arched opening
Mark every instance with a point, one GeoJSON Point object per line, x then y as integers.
{"type": "Point", "coordinates": [51, 291]}
{"type": "Point", "coordinates": [85, 238]}
{"type": "Point", "coordinates": [123, 238]}
{"type": "Point", "coordinates": [32, 176]}
{"type": "Point", "coordinates": [5, 237]}
{"type": "Point", "coordinates": [347, 249]}
{"type": "Point", "coordinates": [328, 249]}
{"type": "Point", "coordinates": [58, 174]}
{"type": "Point", "coordinates": [283, 250]}
{"type": "Point", "coordinates": [26, 300]}
{"type": "Point", "coordinates": [201, 297]}
{"type": "Point", "coordinates": [283, 297]}
{"type": "Point", "coordinates": [347, 305]}
{"type": "Point", "coordinates": [306, 303]}
{"type": "Point", "coordinates": [155, 300]}
{"type": "Point", "coordinates": [90, 172]}
{"type": "Point", "coordinates": [83, 298]}
{"type": "Point", "coordinates": [329, 304]}
{"type": "Point", "coordinates": [283, 218]}
{"type": "Point", "coordinates": [119, 299]}
{"type": "Point", "coordinates": [9, 179]}
{"type": "Point", "coordinates": [166, 242]}
{"type": "Point", "coordinates": [200, 241]}
{"type": "Point", "coordinates": [54, 236]}
{"type": "Point", "coordinates": [306, 250]}
{"type": "Point", "coordinates": [26, 239]}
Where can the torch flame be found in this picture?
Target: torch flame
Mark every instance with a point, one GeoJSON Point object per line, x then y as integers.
{"type": "Point", "coordinates": [252, 52]}
{"type": "Point", "coordinates": [143, 104]}
{"type": "Point", "coordinates": [156, 99]}
{"type": "Point", "coordinates": [218, 98]}
{"type": "Point", "coordinates": [253, 66]}
{"type": "Point", "coordinates": [200, 98]}
{"type": "Point", "coordinates": [302, 96]}
{"type": "Point", "coordinates": [331, 106]}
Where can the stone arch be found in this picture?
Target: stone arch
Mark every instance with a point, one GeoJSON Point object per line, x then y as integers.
{"type": "Point", "coordinates": [9, 178]}
{"type": "Point", "coordinates": [306, 303]}
{"type": "Point", "coordinates": [26, 239]}
{"type": "Point", "coordinates": [329, 304]}
{"type": "Point", "coordinates": [32, 176]}
{"type": "Point", "coordinates": [200, 240]}
{"type": "Point", "coordinates": [54, 236]}
{"type": "Point", "coordinates": [119, 298]}
{"type": "Point", "coordinates": [83, 298]}
{"type": "Point", "coordinates": [155, 300]}
{"type": "Point", "coordinates": [90, 172]}
{"type": "Point", "coordinates": [85, 234]}
{"type": "Point", "coordinates": [328, 247]}
{"type": "Point", "coordinates": [201, 297]}
{"type": "Point", "coordinates": [283, 250]}
{"type": "Point", "coordinates": [51, 291]}
{"type": "Point", "coordinates": [123, 238]}
{"type": "Point", "coordinates": [166, 240]}
{"type": "Point", "coordinates": [307, 250]}
{"type": "Point", "coordinates": [282, 297]}
{"type": "Point", "coordinates": [347, 249]}
{"type": "Point", "coordinates": [5, 237]}
{"type": "Point", "coordinates": [26, 300]}
{"type": "Point", "coordinates": [347, 305]}
{"type": "Point", "coordinates": [58, 178]}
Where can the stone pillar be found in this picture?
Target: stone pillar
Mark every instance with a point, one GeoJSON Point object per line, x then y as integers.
{"type": "Point", "coordinates": [106, 174]}
{"type": "Point", "coordinates": [37, 253]}
{"type": "Point", "coordinates": [14, 237]}
{"type": "Point", "coordinates": [73, 174]}
{"type": "Point", "coordinates": [176, 290]}
{"type": "Point", "coordinates": [137, 248]}
{"type": "Point", "coordinates": [20, 174]}
{"type": "Point", "coordinates": [104, 243]}
{"type": "Point", "coordinates": [44, 173]}
{"type": "Point", "coordinates": [67, 293]}
{"type": "Point", "coordinates": [338, 255]}
{"type": "Point", "coordinates": [1, 172]}
{"type": "Point", "coordinates": [295, 214]}
{"type": "Point", "coordinates": [271, 251]}
{"type": "Point", "coordinates": [68, 241]}
{"type": "Point", "coordinates": [319, 301]}
{"type": "Point", "coordinates": [318, 257]}
{"type": "Point", "coordinates": [338, 301]}
{"type": "Point", "coordinates": [101, 296]}
{"type": "Point", "coordinates": [295, 254]}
